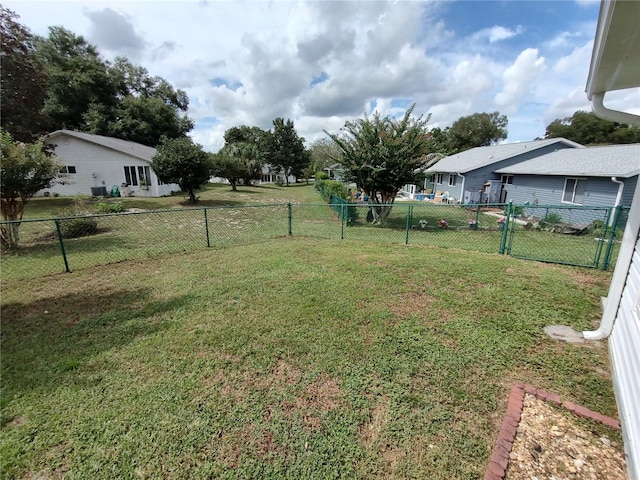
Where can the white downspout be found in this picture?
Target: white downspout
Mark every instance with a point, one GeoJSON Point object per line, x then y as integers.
{"type": "Point", "coordinates": [461, 188]}
{"type": "Point", "coordinates": [620, 273]}
{"type": "Point", "coordinates": [618, 197]}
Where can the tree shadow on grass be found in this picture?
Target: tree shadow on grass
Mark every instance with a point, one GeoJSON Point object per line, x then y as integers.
{"type": "Point", "coordinates": [45, 341]}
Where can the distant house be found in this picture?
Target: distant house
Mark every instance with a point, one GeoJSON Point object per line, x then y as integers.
{"type": "Point", "coordinates": [267, 175]}
{"type": "Point", "coordinates": [335, 172]}
{"type": "Point", "coordinates": [593, 176]}
{"type": "Point", "coordinates": [271, 175]}
{"type": "Point", "coordinates": [94, 164]}
{"type": "Point", "coordinates": [471, 176]}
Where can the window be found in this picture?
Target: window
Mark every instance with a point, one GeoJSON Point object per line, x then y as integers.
{"type": "Point", "coordinates": [439, 178]}
{"type": "Point", "coordinates": [574, 189]}
{"type": "Point", "coordinates": [68, 169]}
{"type": "Point", "coordinates": [140, 175]}
{"type": "Point", "coordinates": [507, 179]}
{"type": "Point", "coordinates": [452, 180]}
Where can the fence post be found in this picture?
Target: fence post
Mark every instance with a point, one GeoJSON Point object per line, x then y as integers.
{"type": "Point", "coordinates": [406, 233]}
{"type": "Point", "coordinates": [64, 253]}
{"type": "Point", "coordinates": [341, 221]}
{"type": "Point", "coordinates": [289, 218]}
{"type": "Point", "coordinates": [505, 228]}
{"type": "Point", "coordinates": [206, 226]}
{"type": "Point", "coordinates": [612, 237]}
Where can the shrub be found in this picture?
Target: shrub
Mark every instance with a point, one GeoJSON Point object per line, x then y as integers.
{"type": "Point", "coordinates": [553, 218]}
{"type": "Point", "coordinates": [81, 223]}
{"type": "Point", "coordinates": [327, 188]}
{"type": "Point", "coordinates": [109, 207]}
{"type": "Point", "coordinates": [78, 227]}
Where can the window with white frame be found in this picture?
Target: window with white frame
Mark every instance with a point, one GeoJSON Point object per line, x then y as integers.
{"type": "Point", "coordinates": [574, 190]}
{"type": "Point", "coordinates": [452, 180]}
{"type": "Point", "coordinates": [506, 179]}
{"type": "Point", "coordinates": [439, 178]}
{"type": "Point", "coordinates": [137, 175]}
{"type": "Point", "coordinates": [67, 169]}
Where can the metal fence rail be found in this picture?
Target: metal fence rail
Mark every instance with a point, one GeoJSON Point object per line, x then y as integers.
{"type": "Point", "coordinates": [584, 236]}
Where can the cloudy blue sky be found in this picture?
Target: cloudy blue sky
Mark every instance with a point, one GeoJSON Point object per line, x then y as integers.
{"type": "Point", "coordinates": [321, 63]}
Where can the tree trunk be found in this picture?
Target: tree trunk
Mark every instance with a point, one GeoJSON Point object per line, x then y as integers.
{"type": "Point", "coordinates": [384, 203]}
{"type": "Point", "coordinates": [233, 185]}
{"type": "Point", "coordinates": [10, 236]}
{"type": "Point", "coordinates": [192, 195]}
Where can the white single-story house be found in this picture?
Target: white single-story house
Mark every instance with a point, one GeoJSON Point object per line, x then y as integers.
{"type": "Point", "coordinates": [267, 175]}
{"type": "Point", "coordinates": [470, 176]}
{"type": "Point", "coordinates": [614, 66]}
{"type": "Point", "coordinates": [94, 164]}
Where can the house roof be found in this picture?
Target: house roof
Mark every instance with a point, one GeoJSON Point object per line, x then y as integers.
{"type": "Point", "coordinates": [608, 161]}
{"type": "Point", "coordinates": [482, 156]}
{"type": "Point", "coordinates": [124, 146]}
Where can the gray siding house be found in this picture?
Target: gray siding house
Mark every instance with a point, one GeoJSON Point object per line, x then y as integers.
{"type": "Point", "coordinates": [594, 176]}
{"type": "Point", "coordinates": [471, 176]}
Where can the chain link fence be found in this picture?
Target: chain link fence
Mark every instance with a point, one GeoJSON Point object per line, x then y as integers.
{"type": "Point", "coordinates": [585, 236]}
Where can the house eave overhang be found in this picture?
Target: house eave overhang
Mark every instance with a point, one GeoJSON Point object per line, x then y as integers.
{"type": "Point", "coordinates": [615, 57]}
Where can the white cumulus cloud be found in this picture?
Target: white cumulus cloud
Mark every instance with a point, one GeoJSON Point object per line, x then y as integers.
{"type": "Point", "coordinates": [519, 79]}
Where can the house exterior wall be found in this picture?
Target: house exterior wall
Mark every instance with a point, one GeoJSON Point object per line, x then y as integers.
{"type": "Point", "coordinates": [625, 361]}
{"type": "Point", "coordinates": [474, 180]}
{"type": "Point", "coordinates": [98, 166]}
{"type": "Point", "coordinates": [548, 190]}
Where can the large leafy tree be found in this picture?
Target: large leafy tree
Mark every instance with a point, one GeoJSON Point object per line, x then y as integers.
{"type": "Point", "coordinates": [146, 109]}
{"type": "Point", "coordinates": [237, 161]}
{"type": "Point", "coordinates": [477, 130]}
{"type": "Point", "coordinates": [587, 129]}
{"type": "Point", "coordinates": [24, 170]}
{"type": "Point", "coordinates": [284, 149]}
{"type": "Point", "coordinates": [179, 160]}
{"type": "Point", "coordinates": [122, 100]}
{"type": "Point", "coordinates": [381, 154]}
{"type": "Point", "coordinates": [77, 78]}
{"type": "Point", "coordinates": [245, 134]}
{"type": "Point", "coordinates": [323, 152]}
{"type": "Point", "coordinates": [23, 81]}
{"type": "Point", "coordinates": [256, 137]}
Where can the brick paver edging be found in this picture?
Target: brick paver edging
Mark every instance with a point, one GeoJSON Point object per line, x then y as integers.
{"type": "Point", "coordinates": [499, 460]}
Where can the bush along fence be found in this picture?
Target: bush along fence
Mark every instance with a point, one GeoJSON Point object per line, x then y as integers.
{"type": "Point", "coordinates": [572, 235]}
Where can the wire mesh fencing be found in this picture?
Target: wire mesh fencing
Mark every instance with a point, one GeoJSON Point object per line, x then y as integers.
{"type": "Point", "coordinates": [585, 236]}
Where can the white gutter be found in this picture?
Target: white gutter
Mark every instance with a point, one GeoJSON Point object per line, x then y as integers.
{"type": "Point", "coordinates": [620, 273]}
{"type": "Point", "coordinates": [613, 115]}
{"type": "Point", "coordinates": [618, 197]}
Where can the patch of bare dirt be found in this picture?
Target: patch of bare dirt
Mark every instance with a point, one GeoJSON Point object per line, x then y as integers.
{"type": "Point", "coordinates": [371, 431]}
{"type": "Point", "coordinates": [323, 395]}
{"type": "Point", "coordinates": [409, 303]}
{"type": "Point", "coordinates": [550, 445]}
{"type": "Point", "coordinates": [284, 373]}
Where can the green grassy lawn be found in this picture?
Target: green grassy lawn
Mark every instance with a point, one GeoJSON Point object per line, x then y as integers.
{"type": "Point", "coordinates": [211, 195]}
{"type": "Point", "coordinates": [172, 225]}
{"type": "Point", "coordinates": [288, 358]}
